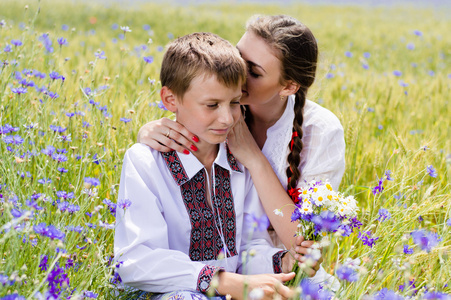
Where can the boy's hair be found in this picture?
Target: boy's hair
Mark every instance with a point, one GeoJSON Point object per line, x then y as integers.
{"type": "Point", "coordinates": [201, 53]}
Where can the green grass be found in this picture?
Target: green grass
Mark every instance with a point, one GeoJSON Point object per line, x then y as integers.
{"type": "Point", "coordinates": [386, 127]}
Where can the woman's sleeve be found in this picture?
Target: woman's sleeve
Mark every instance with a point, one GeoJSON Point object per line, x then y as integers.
{"type": "Point", "coordinates": [323, 155]}
{"type": "Point", "coordinates": [261, 256]}
{"type": "Point", "coordinates": [141, 235]}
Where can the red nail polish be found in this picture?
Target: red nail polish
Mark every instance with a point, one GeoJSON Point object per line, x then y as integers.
{"type": "Point", "coordinates": [186, 152]}
{"type": "Point", "coordinates": [194, 148]}
{"type": "Point", "coordinates": [196, 139]}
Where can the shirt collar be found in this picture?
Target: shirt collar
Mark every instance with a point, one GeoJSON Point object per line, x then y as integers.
{"type": "Point", "coordinates": [184, 167]}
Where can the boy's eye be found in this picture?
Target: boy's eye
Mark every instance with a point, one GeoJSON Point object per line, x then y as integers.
{"type": "Point", "coordinates": [235, 103]}
{"type": "Point", "coordinates": [212, 105]}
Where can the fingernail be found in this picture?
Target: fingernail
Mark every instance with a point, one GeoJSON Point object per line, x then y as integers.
{"type": "Point", "coordinates": [196, 139]}
{"type": "Point", "coordinates": [186, 152]}
{"type": "Point", "coordinates": [194, 148]}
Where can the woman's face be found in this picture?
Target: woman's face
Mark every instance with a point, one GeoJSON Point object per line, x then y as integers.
{"type": "Point", "coordinates": [262, 84]}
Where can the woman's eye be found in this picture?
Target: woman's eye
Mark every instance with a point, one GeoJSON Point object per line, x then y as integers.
{"type": "Point", "coordinates": [253, 74]}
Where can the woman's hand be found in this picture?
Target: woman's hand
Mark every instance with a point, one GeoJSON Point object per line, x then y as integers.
{"type": "Point", "coordinates": [269, 285]}
{"type": "Point", "coordinates": [242, 144]}
{"type": "Point", "coordinates": [165, 135]}
{"type": "Point", "coordinates": [309, 258]}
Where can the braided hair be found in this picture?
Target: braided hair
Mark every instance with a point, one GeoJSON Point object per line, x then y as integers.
{"type": "Point", "coordinates": [298, 52]}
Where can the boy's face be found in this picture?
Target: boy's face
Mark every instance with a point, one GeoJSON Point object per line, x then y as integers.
{"type": "Point", "coordinates": [209, 109]}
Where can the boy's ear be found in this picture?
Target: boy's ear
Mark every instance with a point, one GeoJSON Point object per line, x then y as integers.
{"type": "Point", "coordinates": [290, 88]}
{"type": "Point", "coordinates": [169, 99]}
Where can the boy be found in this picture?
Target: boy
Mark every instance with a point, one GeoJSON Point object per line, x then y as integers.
{"type": "Point", "coordinates": [189, 211]}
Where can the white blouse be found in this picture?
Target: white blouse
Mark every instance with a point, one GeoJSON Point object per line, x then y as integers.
{"type": "Point", "coordinates": [322, 156]}
{"type": "Point", "coordinates": [170, 238]}
{"type": "Point", "coordinates": [323, 152]}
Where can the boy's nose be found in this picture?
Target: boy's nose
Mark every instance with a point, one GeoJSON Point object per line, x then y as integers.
{"type": "Point", "coordinates": [226, 116]}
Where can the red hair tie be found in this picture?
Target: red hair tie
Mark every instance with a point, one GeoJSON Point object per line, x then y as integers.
{"type": "Point", "coordinates": [295, 133]}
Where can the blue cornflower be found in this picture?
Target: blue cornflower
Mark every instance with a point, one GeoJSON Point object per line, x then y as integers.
{"type": "Point", "coordinates": [366, 239]}
{"type": "Point", "coordinates": [410, 46]}
{"type": "Point", "coordinates": [313, 291]}
{"type": "Point", "coordinates": [425, 239]}
{"type": "Point", "coordinates": [417, 33]}
{"type": "Point", "coordinates": [92, 181]}
{"type": "Point", "coordinates": [62, 41]}
{"type": "Point", "coordinates": [62, 170]}
{"type": "Point", "coordinates": [19, 90]}
{"type": "Point", "coordinates": [100, 55]}
{"type": "Point", "coordinates": [256, 223]}
{"type": "Point", "coordinates": [148, 59]}
{"type": "Point", "coordinates": [86, 124]}
{"type": "Point", "coordinates": [379, 187]}
{"type": "Point", "coordinates": [125, 120]}
{"type": "Point", "coordinates": [56, 128]}
{"type": "Point", "coordinates": [89, 294]}
{"type": "Point", "coordinates": [410, 287]}
{"type": "Point", "coordinates": [448, 222]}
{"type": "Point", "coordinates": [44, 180]}
{"type": "Point", "coordinates": [45, 39]}
{"type": "Point", "coordinates": [388, 175]}
{"type": "Point", "coordinates": [330, 75]}
{"type": "Point", "coordinates": [43, 263]}
{"type": "Point", "coordinates": [436, 296]}
{"type": "Point", "coordinates": [7, 48]}
{"type": "Point", "coordinates": [403, 83]}
{"type": "Point", "coordinates": [407, 250]}
{"type": "Point", "coordinates": [15, 140]}
{"type": "Point", "coordinates": [397, 73]}
{"type": "Point", "coordinates": [55, 75]}
{"type": "Point", "coordinates": [383, 215]}
{"type": "Point", "coordinates": [65, 27]}
{"type": "Point", "coordinates": [59, 157]}
{"type": "Point", "coordinates": [348, 54]}
{"type": "Point", "coordinates": [64, 195]}
{"type": "Point", "coordinates": [78, 228]}
{"type": "Point", "coordinates": [366, 54]}
{"type": "Point", "coordinates": [14, 296]}
{"type": "Point", "coordinates": [16, 213]}
{"type": "Point", "coordinates": [49, 231]}
{"type": "Point", "coordinates": [325, 222]}
{"type": "Point", "coordinates": [355, 223]}
{"type": "Point", "coordinates": [70, 115]}
{"type": "Point", "coordinates": [365, 66]}
{"type": "Point", "coordinates": [386, 294]}
{"type": "Point", "coordinates": [111, 206]}
{"type": "Point", "coordinates": [347, 273]}
{"type": "Point", "coordinates": [431, 171]}
{"type": "Point", "coordinates": [49, 150]}
{"type": "Point", "coordinates": [16, 43]}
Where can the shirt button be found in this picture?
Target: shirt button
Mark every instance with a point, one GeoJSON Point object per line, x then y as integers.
{"type": "Point", "coordinates": [204, 285]}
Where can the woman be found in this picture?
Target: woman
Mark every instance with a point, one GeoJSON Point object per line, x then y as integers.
{"type": "Point", "coordinates": [284, 139]}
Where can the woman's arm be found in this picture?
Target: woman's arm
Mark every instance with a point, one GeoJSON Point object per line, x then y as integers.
{"type": "Point", "coordinates": [165, 134]}
{"type": "Point", "coordinates": [271, 192]}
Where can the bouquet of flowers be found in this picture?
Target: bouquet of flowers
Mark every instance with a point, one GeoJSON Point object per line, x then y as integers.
{"type": "Point", "coordinates": [320, 210]}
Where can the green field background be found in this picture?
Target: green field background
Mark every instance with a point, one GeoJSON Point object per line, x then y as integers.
{"type": "Point", "coordinates": [385, 71]}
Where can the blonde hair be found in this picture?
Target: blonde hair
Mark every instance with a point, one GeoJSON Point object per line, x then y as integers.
{"type": "Point", "coordinates": [200, 54]}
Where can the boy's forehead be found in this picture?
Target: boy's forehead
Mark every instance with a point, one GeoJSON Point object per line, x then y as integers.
{"type": "Point", "coordinates": [208, 86]}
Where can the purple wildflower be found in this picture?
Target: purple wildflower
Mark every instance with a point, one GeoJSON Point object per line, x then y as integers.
{"type": "Point", "coordinates": [111, 206]}
{"type": "Point", "coordinates": [425, 239]}
{"type": "Point", "coordinates": [410, 287]}
{"type": "Point", "coordinates": [386, 294]}
{"type": "Point", "coordinates": [125, 120]}
{"type": "Point", "coordinates": [347, 273]}
{"type": "Point", "coordinates": [407, 250]}
{"type": "Point", "coordinates": [348, 54]}
{"type": "Point", "coordinates": [92, 181]}
{"type": "Point", "coordinates": [379, 187]}
{"type": "Point", "coordinates": [366, 239]}
{"type": "Point", "coordinates": [7, 48]}
{"type": "Point", "coordinates": [431, 171]}
{"type": "Point", "coordinates": [325, 222]}
{"type": "Point", "coordinates": [397, 73]}
{"type": "Point", "coordinates": [16, 43]}
{"type": "Point", "coordinates": [366, 54]}
{"type": "Point", "coordinates": [19, 90]}
{"type": "Point", "coordinates": [448, 222]}
{"type": "Point", "coordinates": [55, 75]}
{"type": "Point", "coordinates": [43, 263]}
{"type": "Point", "coordinates": [14, 296]}
{"type": "Point", "coordinates": [256, 223]}
{"type": "Point", "coordinates": [148, 59]}
{"type": "Point", "coordinates": [89, 294]}
{"type": "Point", "coordinates": [313, 291]}
{"type": "Point", "coordinates": [383, 215]}
{"type": "Point", "coordinates": [417, 33]}
{"type": "Point", "coordinates": [330, 75]}
{"type": "Point", "coordinates": [62, 41]}
{"type": "Point", "coordinates": [100, 55]}
{"type": "Point", "coordinates": [49, 231]}
{"type": "Point", "coordinates": [436, 296]}
{"type": "Point", "coordinates": [59, 157]}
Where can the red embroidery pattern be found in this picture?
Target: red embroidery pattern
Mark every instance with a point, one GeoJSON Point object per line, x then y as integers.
{"type": "Point", "coordinates": [277, 261]}
{"type": "Point", "coordinates": [176, 167]}
{"type": "Point", "coordinates": [205, 277]}
{"type": "Point", "coordinates": [205, 241]}
{"type": "Point", "coordinates": [232, 161]}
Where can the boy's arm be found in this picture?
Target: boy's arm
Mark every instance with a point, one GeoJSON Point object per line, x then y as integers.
{"type": "Point", "coordinates": [141, 236]}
